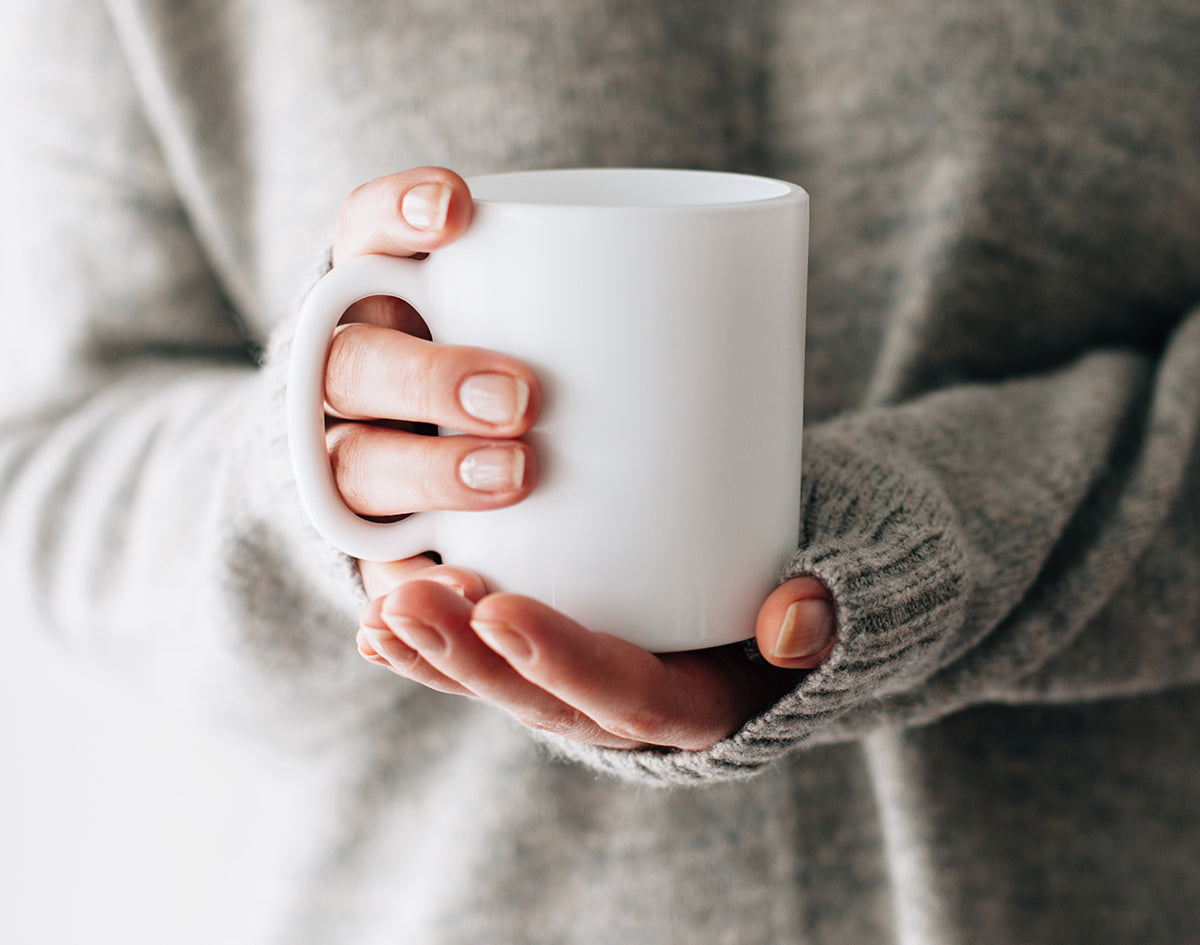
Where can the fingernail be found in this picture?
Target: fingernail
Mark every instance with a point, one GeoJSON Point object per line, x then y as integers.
{"type": "Point", "coordinates": [425, 206]}
{"type": "Point", "coordinates": [493, 469]}
{"type": "Point", "coordinates": [494, 398]}
{"type": "Point", "coordinates": [504, 640]}
{"type": "Point", "coordinates": [381, 644]}
{"type": "Point", "coordinates": [419, 636]}
{"type": "Point", "coordinates": [808, 627]}
{"type": "Point", "coordinates": [366, 646]}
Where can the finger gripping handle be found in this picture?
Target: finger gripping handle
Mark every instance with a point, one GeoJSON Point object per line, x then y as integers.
{"type": "Point", "coordinates": [323, 308]}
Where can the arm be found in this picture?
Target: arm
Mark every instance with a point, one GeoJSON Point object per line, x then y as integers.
{"type": "Point", "coordinates": [146, 508]}
{"type": "Point", "coordinates": [1036, 540]}
{"type": "Point", "coordinates": [1033, 539]}
{"type": "Point", "coordinates": [1059, 559]}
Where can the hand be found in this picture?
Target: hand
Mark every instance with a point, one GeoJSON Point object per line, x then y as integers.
{"type": "Point", "coordinates": [434, 623]}
{"type": "Point", "coordinates": [383, 376]}
{"type": "Point", "coordinates": [437, 626]}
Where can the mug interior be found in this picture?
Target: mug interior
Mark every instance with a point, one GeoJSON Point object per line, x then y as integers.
{"type": "Point", "coordinates": [626, 187]}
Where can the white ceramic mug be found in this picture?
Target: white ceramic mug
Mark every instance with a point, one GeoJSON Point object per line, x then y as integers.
{"type": "Point", "coordinates": [663, 312]}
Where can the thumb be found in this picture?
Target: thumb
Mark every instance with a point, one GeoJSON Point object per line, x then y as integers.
{"type": "Point", "coordinates": [797, 627]}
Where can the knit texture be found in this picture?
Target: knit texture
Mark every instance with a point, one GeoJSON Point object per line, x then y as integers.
{"type": "Point", "coordinates": [1001, 458]}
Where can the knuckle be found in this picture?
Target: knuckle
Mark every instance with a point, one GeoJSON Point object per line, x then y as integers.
{"type": "Point", "coordinates": [355, 199]}
{"type": "Point", "coordinates": [348, 460]}
{"type": "Point", "coordinates": [362, 355]}
{"type": "Point", "coordinates": [345, 368]}
{"type": "Point", "coordinates": [347, 226]}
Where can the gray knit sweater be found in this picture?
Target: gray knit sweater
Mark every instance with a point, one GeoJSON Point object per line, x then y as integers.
{"type": "Point", "coordinates": [1002, 476]}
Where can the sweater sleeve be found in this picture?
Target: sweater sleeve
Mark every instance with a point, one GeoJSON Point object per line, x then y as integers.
{"type": "Point", "coordinates": [1032, 540]}
{"type": "Point", "coordinates": [147, 513]}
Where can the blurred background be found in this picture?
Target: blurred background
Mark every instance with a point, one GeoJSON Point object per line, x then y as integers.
{"type": "Point", "coordinates": [111, 828]}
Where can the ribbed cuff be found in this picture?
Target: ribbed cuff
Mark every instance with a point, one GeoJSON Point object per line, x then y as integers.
{"type": "Point", "coordinates": [883, 540]}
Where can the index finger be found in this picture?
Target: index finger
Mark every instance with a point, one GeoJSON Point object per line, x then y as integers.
{"type": "Point", "coordinates": [414, 211]}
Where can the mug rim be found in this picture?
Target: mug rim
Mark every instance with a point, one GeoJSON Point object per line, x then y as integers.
{"type": "Point", "coordinates": [556, 189]}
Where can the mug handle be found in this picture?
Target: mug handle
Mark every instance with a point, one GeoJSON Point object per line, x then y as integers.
{"type": "Point", "coordinates": [323, 308]}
